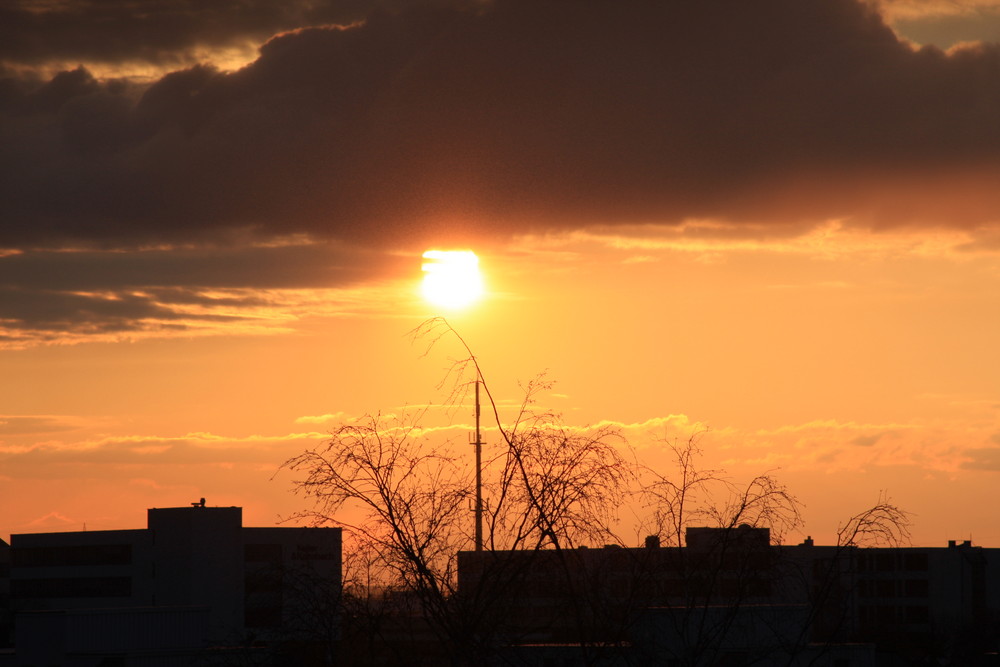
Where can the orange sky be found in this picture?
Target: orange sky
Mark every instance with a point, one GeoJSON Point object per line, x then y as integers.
{"type": "Point", "coordinates": [816, 296]}
{"type": "Point", "coordinates": [848, 364]}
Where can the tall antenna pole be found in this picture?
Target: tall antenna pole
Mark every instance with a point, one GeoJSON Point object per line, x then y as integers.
{"type": "Point", "coordinates": [479, 475]}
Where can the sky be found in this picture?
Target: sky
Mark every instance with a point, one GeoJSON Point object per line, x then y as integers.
{"type": "Point", "coordinates": [769, 225]}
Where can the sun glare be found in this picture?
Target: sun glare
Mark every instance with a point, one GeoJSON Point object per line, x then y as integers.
{"type": "Point", "coordinates": [451, 278]}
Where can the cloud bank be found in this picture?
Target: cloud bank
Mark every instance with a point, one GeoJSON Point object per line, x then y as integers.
{"type": "Point", "coordinates": [516, 116]}
{"type": "Point", "coordinates": [357, 137]}
{"type": "Point", "coordinates": [157, 33]}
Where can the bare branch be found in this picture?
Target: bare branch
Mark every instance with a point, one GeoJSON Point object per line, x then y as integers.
{"type": "Point", "coordinates": [884, 524]}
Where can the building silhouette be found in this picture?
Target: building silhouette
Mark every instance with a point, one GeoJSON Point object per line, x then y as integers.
{"type": "Point", "coordinates": [193, 584]}
{"type": "Point", "coordinates": [730, 597]}
{"type": "Point", "coordinates": [196, 587]}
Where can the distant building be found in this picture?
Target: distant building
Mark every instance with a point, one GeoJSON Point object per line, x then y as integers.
{"type": "Point", "coordinates": [194, 579]}
{"type": "Point", "coordinates": [730, 597]}
{"type": "Point", "coordinates": [6, 618]}
{"type": "Point", "coordinates": [929, 601]}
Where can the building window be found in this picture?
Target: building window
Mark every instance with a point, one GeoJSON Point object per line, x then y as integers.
{"type": "Point", "coordinates": [263, 581]}
{"type": "Point", "coordinates": [262, 617]}
{"type": "Point", "coordinates": [76, 555]}
{"type": "Point", "coordinates": [885, 588]}
{"type": "Point", "coordinates": [72, 587]}
{"type": "Point", "coordinates": [915, 562]}
{"type": "Point", "coordinates": [885, 562]}
{"type": "Point", "coordinates": [262, 553]}
{"type": "Point", "coordinates": [917, 588]}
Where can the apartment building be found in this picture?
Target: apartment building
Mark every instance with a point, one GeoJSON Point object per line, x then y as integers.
{"type": "Point", "coordinates": [729, 596]}
{"type": "Point", "coordinates": [193, 579]}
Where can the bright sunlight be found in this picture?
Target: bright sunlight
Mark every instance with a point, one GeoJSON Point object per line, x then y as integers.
{"type": "Point", "coordinates": [452, 278]}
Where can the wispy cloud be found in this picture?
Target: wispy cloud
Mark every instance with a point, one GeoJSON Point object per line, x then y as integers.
{"type": "Point", "coordinates": [100, 296]}
{"type": "Point", "coordinates": [39, 424]}
{"type": "Point", "coordinates": [918, 9]}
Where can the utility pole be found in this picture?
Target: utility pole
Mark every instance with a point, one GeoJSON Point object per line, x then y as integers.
{"type": "Point", "coordinates": [479, 475]}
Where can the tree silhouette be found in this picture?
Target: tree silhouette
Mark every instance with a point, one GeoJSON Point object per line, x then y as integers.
{"type": "Point", "coordinates": [405, 498]}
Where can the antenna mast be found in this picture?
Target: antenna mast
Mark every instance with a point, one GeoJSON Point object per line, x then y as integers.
{"type": "Point", "coordinates": [479, 474]}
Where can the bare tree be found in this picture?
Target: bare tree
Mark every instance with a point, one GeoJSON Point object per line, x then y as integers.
{"type": "Point", "coordinates": [406, 499]}
{"type": "Point", "coordinates": [884, 524]}
{"type": "Point", "coordinates": [688, 495]}
{"type": "Point", "coordinates": [718, 564]}
{"type": "Point", "coordinates": [410, 498]}
{"type": "Point", "coordinates": [830, 579]}
{"type": "Point", "coordinates": [556, 484]}
{"type": "Point", "coordinates": [671, 498]}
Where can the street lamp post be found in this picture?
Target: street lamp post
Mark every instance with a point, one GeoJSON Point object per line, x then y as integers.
{"type": "Point", "coordinates": [479, 475]}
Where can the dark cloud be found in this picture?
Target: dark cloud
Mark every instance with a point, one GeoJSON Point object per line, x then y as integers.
{"type": "Point", "coordinates": [154, 31]}
{"type": "Point", "coordinates": [60, 311]}
{"type": "Point", "coordinates": [288, 266]}
{"type": "Point", "coordinates": [441, 123]}
{"type": "Point", "coordinates": [46, 294]}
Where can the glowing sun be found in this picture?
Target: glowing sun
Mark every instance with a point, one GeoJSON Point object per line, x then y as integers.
{"type": "Point", "coordinates": [451, 278]}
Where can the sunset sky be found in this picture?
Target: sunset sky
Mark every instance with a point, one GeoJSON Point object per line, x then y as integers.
{"type": "Point", "coordinates": [773, 223]}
